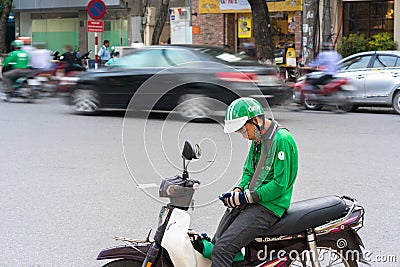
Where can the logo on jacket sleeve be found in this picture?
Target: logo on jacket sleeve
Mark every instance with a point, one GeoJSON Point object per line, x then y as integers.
{"type": "Point", "coordinates": [281, 155]}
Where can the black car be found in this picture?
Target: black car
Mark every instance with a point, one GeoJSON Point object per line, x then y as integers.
{"type": "Point", "coordinates": [192, 80]}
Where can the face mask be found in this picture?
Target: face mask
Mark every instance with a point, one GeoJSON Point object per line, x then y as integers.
{"type": "Point", "coordinates": [257, 135]}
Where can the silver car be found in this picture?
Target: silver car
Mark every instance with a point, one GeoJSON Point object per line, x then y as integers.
{"type": "Point", "coordinates": [376, 75]}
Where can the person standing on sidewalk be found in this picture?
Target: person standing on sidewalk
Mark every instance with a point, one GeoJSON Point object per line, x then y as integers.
{"type": "Point", "coordinates": [104, 54]}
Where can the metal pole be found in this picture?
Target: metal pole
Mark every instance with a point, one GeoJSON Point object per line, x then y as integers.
{"type": "Point", "coordinates": [96, 42]}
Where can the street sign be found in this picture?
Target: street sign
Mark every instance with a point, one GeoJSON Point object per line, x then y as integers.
{"type": "Point", "coordinates": [96, 9]}
{"type": "Point", "coordinates": [95, 26]}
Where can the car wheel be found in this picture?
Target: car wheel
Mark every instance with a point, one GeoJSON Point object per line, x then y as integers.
{"type": "Point", "coordinates": [309, 104]}
{"type": "Point", "coordinates": [193, 106]}
{"type": "Point", "coordinates": [347, 108]}
{"type": "Point", "coordinates": [396, 102]}
{"type": "Point", "coordinates": [85, 101]}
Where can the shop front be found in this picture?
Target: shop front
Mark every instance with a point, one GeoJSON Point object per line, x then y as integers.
{"type": "Point", "coordinates": [237, 29]}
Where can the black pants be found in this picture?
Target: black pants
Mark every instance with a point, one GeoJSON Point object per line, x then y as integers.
{"type": "Point", "coordinates": [253, 221]}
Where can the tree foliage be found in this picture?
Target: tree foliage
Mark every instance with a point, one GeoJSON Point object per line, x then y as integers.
{"type": "Point", "coordinates": [5, 12]}
{"type": "Point", "coordinates": [382, 41]}
{"type": "Point", "coordinates": [354, 43]}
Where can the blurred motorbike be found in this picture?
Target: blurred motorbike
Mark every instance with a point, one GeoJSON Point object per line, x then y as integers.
{"type": "Point", "coordinates": [307, 231]}
{"type": "Point", "coordinates": [335, 92]}
{"type": "Point", "coordinates": [26, 87]}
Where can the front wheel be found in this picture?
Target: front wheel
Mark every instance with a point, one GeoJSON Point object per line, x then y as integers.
{"type": "Point", "coordinates": [329, 254]}
{"type": "Point", "coordinates": [124, 263]}
{"type": "Point", "coordinates": [396, 102]}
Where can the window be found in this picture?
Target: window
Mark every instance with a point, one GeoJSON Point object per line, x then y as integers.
{"type": "Point", "coordinates": [385, 61]}
{"type": "Point", "coordinates": [180, 56]}
{"type": "Point", "coordinates": [356, 63]}
{"type": "Point", "coordinates": [154, 58]}
{"type": "Point", "coordinates": [368, 17]}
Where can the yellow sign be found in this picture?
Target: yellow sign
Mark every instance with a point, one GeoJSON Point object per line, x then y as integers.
{"type": "Point", "coordinates": [223, 6]}
{"type": "Point", "coordinates": [244, 25]}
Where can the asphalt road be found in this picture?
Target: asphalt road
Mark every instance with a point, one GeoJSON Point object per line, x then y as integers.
{"type": "Point", "coordinates": [66, 189]}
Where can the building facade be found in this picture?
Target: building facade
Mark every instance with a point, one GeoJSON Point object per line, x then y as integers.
{"type": "Point", "coordinates": [62, 22]}
{"type": "Point", "coordinates": [217, 22]}
{"type": "Point", "coordinates": [212, 22]}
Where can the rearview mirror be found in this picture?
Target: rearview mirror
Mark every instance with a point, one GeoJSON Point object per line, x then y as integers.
{"type": "Point", "coordinates": [189, 152]}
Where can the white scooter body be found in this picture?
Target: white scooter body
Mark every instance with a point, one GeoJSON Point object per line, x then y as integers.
{"type": "Point", "coordinates": [176, 241]}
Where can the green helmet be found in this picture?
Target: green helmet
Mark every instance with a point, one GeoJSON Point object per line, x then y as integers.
{"type": "Point", "coordinates": [17, 43]}
{"type": "Point", "coordinates": [240, 111]}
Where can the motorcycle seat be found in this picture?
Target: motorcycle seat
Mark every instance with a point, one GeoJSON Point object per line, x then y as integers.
{"type": "Point", "coordinates": [309, 213]}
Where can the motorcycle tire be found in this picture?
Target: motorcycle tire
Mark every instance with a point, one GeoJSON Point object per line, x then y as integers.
{"type": "Point", "coordinates": [310, 105]}
{"type": "Point", "coordinates": [123, 263]}
{"type": "Point", "coordinates": [347, 108]}
{"type": "Point", "coordinates": [330, 249]}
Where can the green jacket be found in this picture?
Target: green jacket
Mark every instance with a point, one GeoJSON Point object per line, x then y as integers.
{"type": "Point", "coordinates": [275, 183]}
{"type": "Point", "coordinates": [18, 59]}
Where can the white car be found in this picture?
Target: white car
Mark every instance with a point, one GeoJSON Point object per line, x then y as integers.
{"type": "Point", "coordinates": [376, 75]}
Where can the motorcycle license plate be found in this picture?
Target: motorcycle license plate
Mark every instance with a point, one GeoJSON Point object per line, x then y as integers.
{"type": "Point", "coordinates": [33, 82]}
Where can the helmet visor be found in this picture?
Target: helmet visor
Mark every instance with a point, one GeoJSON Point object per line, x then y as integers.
{"type": "Point", "coordinates": [232, 126]}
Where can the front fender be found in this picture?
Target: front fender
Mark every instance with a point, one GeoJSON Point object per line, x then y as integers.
{"type": "Point", "coordinates": [136, 252]}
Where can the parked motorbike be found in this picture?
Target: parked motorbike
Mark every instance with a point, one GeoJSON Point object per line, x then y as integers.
{"type": "Point", "coordinates": [336, 92]}
{"type": "Point", "coordinates": [313, 232]}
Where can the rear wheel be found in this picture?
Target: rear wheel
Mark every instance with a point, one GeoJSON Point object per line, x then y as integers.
{"type": "Point", "coordinates": [329, 254]}
{"type": "Point", "coordinates": [396, 102]}
{"type": "Point", "coordinates": [124, 263]}
{"type": "Point", "coordinates": [309, 104]}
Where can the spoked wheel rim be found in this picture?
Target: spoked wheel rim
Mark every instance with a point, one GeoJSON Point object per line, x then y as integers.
{"type": "Point", "coordinates": [328, 257]}
{"type": "Point", "coordinates": [85, 101]}
{"type": "Point", "coordinates": [310, 104]}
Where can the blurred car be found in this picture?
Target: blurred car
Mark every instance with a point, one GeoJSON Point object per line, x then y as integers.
{"type": "Point", "coordinates": [197, 75]}
{"type": "Point", "coordinates": [376, 75]}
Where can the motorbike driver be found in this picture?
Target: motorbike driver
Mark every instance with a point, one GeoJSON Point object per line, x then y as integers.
{"type": "Point", "coordinates": [18, 64]}
{"type": "Point", "coordinates": [328, 62]}
{"type": "Point", "coordinates": [262, 207]}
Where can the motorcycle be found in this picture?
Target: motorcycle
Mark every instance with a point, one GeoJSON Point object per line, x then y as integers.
{"type": "Point", "coordinates": [336, 92]}
{"type": "Point", "coordinates": [313, 232]}
{"type": "Point", "coordinates": [26, 87]}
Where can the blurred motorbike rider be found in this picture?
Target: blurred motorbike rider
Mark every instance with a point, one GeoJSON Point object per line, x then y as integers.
{"type": "Point", "coordinates": [18, 64]}
{"type": "Point", "coordinates": [41, 58]}
{"type": "Point", "coordinates": [262, 207]}
{"type": "Point", "coordinates": [328, 61]}
{"type": "Point", "coordinates": [69, 58]}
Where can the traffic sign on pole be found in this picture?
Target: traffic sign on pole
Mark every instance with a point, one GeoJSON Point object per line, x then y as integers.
{"type": "Point", "coordinates": [96, 9]}
{"type": "Point", "coordinates": [95, 26]}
